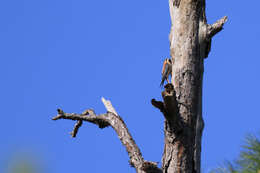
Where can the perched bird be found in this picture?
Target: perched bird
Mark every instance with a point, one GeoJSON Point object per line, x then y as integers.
{"type": "Point", "coordinates": [166, 70]}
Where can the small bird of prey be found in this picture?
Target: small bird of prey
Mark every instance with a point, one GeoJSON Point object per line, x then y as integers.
{"type": "Point", "coordinates": [166, 70]}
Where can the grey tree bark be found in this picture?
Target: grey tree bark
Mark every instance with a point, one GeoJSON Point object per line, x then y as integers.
{"type": "Point", "coordinates": [190, 41]}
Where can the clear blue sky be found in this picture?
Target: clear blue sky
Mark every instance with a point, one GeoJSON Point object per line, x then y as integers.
{"type": "Point", "coordinates": [69, 54]}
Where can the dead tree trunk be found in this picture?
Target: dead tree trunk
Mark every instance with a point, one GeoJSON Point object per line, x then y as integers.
{"type": "Point", "coordinates": [190, 41]}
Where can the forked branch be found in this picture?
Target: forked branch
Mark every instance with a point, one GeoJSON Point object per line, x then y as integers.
{"type": "Point", "coordinates": [111, 118]}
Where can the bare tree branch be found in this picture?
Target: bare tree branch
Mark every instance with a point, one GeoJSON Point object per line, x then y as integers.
{"type": "Point", "coordinates": [115, 121]}
{"type": "Point", "coordinates": [108, 106]}
{"type": "Point", "coordinates": [76, 128]}
{"type": "Point", "coordinates": [88, 115]}
{"type": "Point", "coordinates": [216, 27]}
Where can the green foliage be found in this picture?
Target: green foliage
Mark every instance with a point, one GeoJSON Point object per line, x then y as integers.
{"type": "Point", "coordinates": [248, 161]}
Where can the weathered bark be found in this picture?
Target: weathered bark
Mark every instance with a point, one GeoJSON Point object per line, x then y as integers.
{"type": "Point", "coordinates": [190, 42]}
{"type": "Point", "coordinates": [190, 39]}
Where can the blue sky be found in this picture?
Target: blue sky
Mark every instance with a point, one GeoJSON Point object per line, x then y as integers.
{"type": "Point", "coordinates": [68, 54]}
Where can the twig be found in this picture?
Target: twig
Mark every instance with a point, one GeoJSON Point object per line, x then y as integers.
{"type": "Point", "coordinates": [76, 128]}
